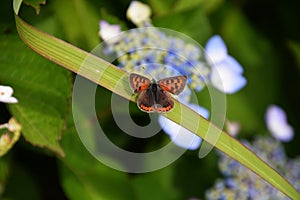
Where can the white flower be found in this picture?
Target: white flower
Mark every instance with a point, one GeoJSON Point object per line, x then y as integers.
{"type": "Point", "coordinates": [179, 135]}
{"type": "Point", "coordinates": [6, 95]}
{"type": "Point", "coordinates": [138, 12]}
{"type": "Point", "coordinates": [226, 72]}
{"type": "Point", "coordinates": [277, 124]}
{"type": "Point", "coordinates": [233, 128]}
{"type": "Point", "coordinates": [109, 32]}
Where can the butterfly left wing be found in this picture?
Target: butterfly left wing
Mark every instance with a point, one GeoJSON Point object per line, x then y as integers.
{"type": "Point", "coordinates": [174, 85]}
{"type": "Point", "coordinates": [146, 101]}
{"type": "Point", "coordinates": [138, 83]}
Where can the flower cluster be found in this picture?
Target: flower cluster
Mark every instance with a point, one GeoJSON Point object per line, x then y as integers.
{"type": "Point", "coordinates": [241, 183]}
{"type": "Point", "coordinates": [159, 53]}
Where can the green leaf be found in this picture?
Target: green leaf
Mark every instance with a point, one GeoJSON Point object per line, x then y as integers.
{"type": "Point", "coordinates": [206, 6]}
{"type": "Point", "coordinates": [43, 91]}
{"type": "Point", "coordinates": [162, 179]}
{"type": "Point", "coordinates": [5, 168]}
{"type": "Point", "coordinates": [161, 7]}
{"type": "Point", "coordinates": [295, 48]}
{"type": "Point", "coordinates": [72, 58]}
{"type": "Point", "coordinates": [192, 22]}
{"type": "Point", "coordinates": [21, 180]}
{"type": "Point", "coordinates": [35, 4]}
{"type": "Point", "coordinates": [84, 177]}
{"type": "Point", "coordinates": [79, 21]}
{"type": "Point", "coordinates": [171, 7]}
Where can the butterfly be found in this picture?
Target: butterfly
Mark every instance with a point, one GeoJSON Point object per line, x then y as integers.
{"type": "Point", "coordinates": [154, 95]}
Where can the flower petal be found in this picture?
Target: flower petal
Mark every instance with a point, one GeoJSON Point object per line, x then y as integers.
{"type": "Point", "coordinates": [109, 32]}
{"type": "Point", "coordinates": [185, 96]}
{"type": "Point", "coordinates": [233, 128]}
{"type": "Point", "coordinates": [138, 12]}
{"type": "Point", "coordinates": [179, 135]}
{"type": "Point", "coordinates": [227, 80]}
{"type": "Point", "coordinates": [216, 50]}
{"type": "Point", "coordinates": [11, 100]}
{"type": "Point", "coordinates": [200, 110]}
{"type": "Point", "coordinates": [277, 124]}
{"type": "Point", "coordinates": [6, 94]}
{"type": "Point", "coordinates": [234, 64]}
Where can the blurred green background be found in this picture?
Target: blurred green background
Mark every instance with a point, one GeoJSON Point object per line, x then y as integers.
{"type": "Point", "coordinates": [263, 36]}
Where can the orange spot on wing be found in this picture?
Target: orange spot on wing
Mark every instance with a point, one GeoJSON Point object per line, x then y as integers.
{"type": "Point", "coordinates": [164, 109]}
{"type": "Point", "coordinates": [146, 108]}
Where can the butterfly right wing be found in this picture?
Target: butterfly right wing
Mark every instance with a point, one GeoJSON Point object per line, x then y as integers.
{"type": "Point", "coordinates": [164, 101]}
{"type": "Point", "coordinates": [174, 85]}
{"type": "Point", "coordinates": [138, 83]}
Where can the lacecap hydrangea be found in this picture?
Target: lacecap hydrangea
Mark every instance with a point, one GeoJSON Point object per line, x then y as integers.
{"type": "Point", "coordinates": [158, 53]}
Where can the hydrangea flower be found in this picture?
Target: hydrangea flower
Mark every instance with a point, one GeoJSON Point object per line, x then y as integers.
{"type": "Point", "coordinates": [158, 54]}
{"type": "Point", "coordinates": [152, 52]}
{"type": "Point", "coordinates": [277, 124]}
{"type": "Point", "coordinates": [6, 95]}
{"type": "Point", "coordinates": [179, 135]}
{"type": "Point", "coordinates": [109, 32]}
{"type": "Point", "coordinates": [139, 13]}
{"type": "Point", "coordinates": [226, 72]}
{"type": "Point", "coordinates": [241, 183]}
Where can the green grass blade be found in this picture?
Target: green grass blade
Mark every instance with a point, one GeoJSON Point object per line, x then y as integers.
{"type": "Point", "coordinates": [73, 59]}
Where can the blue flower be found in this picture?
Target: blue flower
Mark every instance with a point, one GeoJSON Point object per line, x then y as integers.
{"type": "Point", "coordinates": [277, 124]}
{"type": "Point", "coordinates": [241, 183]}
{"type": "Point", "coordinates": [109, 32]}
{"type": "Point", "coordinates": [158, 54]}
{"type": "Point", "coordinates": [179, 135]}
{"type": "Point", "coordinates": [226, 72]}
{"type": "Point", "coordinates": [142, 50]}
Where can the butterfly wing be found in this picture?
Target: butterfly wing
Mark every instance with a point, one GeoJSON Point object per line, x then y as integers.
{"type": "Point", "coordinates": [174, 85]}
{"type": "Point", "coordinates": [164, 101]}
{"type": "Point", "coordinates": [138, 83]}
{"type": "Point", "coordinates": [156, 100]}
{"type": "Point", "coordinates": [146, 101]}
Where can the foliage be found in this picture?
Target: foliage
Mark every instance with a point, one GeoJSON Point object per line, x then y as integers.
{"type": "Point", "coordinates": [270, 57]}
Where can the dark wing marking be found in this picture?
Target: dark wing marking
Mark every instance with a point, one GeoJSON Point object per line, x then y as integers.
{"type": "Point", "coordinates": [139, 83]}
{"type": "Point", "coordinates": [164, 101]}
{"type": "Point", "coordinates": [146, 101]}
{"type": "Point", "coordinates": [174, 85]}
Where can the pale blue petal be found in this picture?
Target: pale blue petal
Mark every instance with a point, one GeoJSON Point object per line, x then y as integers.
{"type": "Point", "coordinates": [216, 49]}
{"type": "Point", "coordinates": [277, 124]}
{"type": "Point", "coordinates": [200, 110]}
{"type": "Point", "coordinates": [109, 32]}
{"type": "Point", "coordinates": [185, 96]}
{"type": "Point", "coordinates": [234, 64]}
{"type": "Point", "coordinates": [179, 135]}
{"type": "Point", "coordinates": [227, 80]}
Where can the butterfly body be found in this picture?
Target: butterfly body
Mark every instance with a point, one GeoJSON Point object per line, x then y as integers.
{"type": "Point", "coordinates": [154, 95]}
